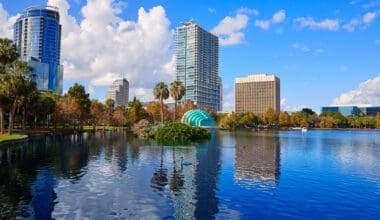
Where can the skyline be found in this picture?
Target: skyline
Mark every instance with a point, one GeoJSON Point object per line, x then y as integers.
{"type": "Point", "coordinates": [323, 52]}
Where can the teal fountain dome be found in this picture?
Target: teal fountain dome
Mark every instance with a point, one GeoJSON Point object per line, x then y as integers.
{"type": "Point", "coordinates": [198, 117]}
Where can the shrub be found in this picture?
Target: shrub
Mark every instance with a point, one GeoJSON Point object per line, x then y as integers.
{"type": "Point", "coordinates": [178, 133]}
{"type": "Point", "coordinates": [142, 129]}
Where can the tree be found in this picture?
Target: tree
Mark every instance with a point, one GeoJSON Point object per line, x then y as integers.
{"type": "Point", "coordinates": [18, 85]}
{"type": "Point", "coordinates": [78, 92]}
{"type": "Point", "coordinates": [270, 116]}
{"type": "Point", "coordinates": [8, 54]}
{"type": "Point", "coordinates": [119, 116]}
{"type": "Point", "coordinates": [137, 112]}
{"type": "Point", "coordinates": [284, 119]}
{"type": "Point", "coordinates": [98, 114]}
{"type": "Point", "coordinates": [161, 93]}
{"type": "Point", "coordinates": [110, 108]}
{"type": "Point", "coordinates": [378, 120]}
{"type": "Point", "coordinates": [154, 109]}
{"type": "Point", "coordinates": [177, 91]}
{"type": "Point", "coordinates": [229, 121]}
{"type": "Point", "coordinates": [248, 119]}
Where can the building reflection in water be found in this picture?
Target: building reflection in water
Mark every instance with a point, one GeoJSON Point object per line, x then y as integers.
{"type": "Point", "coordinates": [193, 180]}
{"type": "Point", "coordinates": [257, 159]}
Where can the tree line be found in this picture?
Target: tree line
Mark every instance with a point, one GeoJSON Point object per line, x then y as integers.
{"type": "Point", "coordinates": [24, 106]}
{"type": "Point", "coordinates": [304, 118]}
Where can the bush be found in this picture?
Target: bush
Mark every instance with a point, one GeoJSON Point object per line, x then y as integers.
{"type": "Point", "coordinates": [142, 129]}
{"type": "Point", "coordinates": [178, 133]}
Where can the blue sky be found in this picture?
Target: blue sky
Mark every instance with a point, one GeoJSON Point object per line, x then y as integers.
{"type": "Point", "coordinates": [324, 52]}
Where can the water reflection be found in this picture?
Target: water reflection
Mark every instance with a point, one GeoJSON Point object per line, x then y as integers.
{"type": "Point", "coordinates": [193, 181]}
{"type": "Point", "coordinates": [234, 175]}
{"type": "Point", "coordinates": [257, 158]}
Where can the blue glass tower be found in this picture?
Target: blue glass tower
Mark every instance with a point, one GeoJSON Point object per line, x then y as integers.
{"type": "Point", "coordinates": [37, 35]}
{"type": "Point", "coordinates": [197, 52]}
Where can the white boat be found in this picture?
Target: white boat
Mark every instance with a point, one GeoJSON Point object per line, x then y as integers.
{"type": "Point", "coordinates": [304, 129]}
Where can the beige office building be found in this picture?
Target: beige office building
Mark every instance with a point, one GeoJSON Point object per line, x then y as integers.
{"type": "Point", "coordinates": [119, 92]}
{"type": "Point", "coordinates": [257, 93]}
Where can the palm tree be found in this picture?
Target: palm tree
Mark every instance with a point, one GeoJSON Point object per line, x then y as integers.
{"type": "Point", "coordinates": [8, 54]}
{"type": "Point", "coordinates": [161, 92]}
{"type": "Point", "coordinates": [177, 91]}
{"type": "Point", "coordinates": [18, 85]}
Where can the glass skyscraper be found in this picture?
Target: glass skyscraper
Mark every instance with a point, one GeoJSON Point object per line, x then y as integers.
{"type": "Point", "coordinates": [197, 52]}
{"type": "Point", "coordinates": [37, 35]}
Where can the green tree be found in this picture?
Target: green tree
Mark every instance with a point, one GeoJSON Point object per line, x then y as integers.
{"type": "Point", "coordinates": [378, 120]}
{"type": "Point", "coordinates": [8, 54]}
{"type": "Point", "coordinates": [137, 112]}
{"type": "Point", "coordinates": [18, 85]}
{"type": "Point", "coordinates": [161, 93]}
{"type": "Point", "coordinates": [177, 91]}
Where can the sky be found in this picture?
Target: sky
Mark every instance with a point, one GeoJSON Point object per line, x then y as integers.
{"type": "Point", "coordinates": [324, 52]}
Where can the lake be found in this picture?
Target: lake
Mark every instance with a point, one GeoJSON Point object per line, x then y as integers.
{"type": "Point", "coordinates": [235, 175]}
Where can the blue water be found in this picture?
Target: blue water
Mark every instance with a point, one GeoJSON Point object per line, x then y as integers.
{"type": "Point", "coordinates": [236, 175]}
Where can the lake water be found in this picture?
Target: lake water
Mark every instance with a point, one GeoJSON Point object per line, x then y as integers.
{"type": "Point", "coordinates": [241, 175]}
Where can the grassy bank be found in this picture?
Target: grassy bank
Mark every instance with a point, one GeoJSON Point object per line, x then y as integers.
{"type": "Point", "coordinates": [12, 137]}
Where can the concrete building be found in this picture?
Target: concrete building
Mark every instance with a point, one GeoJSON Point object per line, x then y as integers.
{"type": "Point", "coordinates": [37, 35]}
{"type": "Point", "coordinates": [257, 93]}
{"type": "Point", "coordinates": [197, 66]}
{"type": "Point", "coordinates": [119, 92]}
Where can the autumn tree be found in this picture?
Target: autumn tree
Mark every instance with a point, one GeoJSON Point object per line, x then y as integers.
{"type": "Point", "coordinates": [98, 114]}
{"type": "Point", "coordinates": [154, 109]}
{"type": "Point", "coordinates": [270, 117]}
{"type": "Point", "coordinates": [283, 119]}
{"type": "Point", "coordinates": [78, 93]}
{"type": "Point", "coordinates": [229, 121]}
{"type": "Point", "coordinates": [119, 116]}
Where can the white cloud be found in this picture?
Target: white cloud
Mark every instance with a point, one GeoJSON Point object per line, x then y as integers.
{"type": "Point", "coordinates": [283, 102]}
{"type": "Point", "coordinates": [369, 17]}
{"type": "Point", "coordinates": [102, 46]}
{"type": "Point", "coordinates": [263, 24]}
{"type": "Point", "coordinates": [229, 30]}
{"type": "Point", "coordinates": [367, 93]}
{"type": "Point", "coordinates": [352, 25]}
{"type": "Point", "coordinates": [6, 23]}
{"type": "Point", "coordinates": [343, 68]}
{"type": "Point", "coordinates": [279, 17]}
{"type": "Point", "coordinates": [327, 24]}
{"type": "Point", "coordinates": [245, 10]}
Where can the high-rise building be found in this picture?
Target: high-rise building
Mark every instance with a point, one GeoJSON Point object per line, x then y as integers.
{"type": "Point", "coordinates": [37, 35]}
{"type": "Point", "coordinates": [119, 92]}
{"type": "Point", "coordinates": [257, 93]}
{"type": "Point", "coordinates": [197, 52]}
